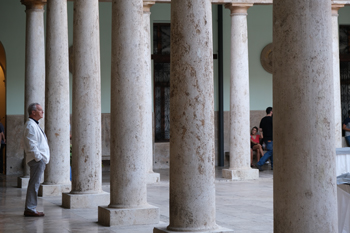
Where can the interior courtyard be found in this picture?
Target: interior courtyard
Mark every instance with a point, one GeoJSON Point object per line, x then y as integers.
{"type": "Point", "coordinates": [148, 109]}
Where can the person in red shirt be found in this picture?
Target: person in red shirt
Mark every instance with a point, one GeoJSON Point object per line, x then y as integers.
{"type": "Point", "coordinates": [255, 144]}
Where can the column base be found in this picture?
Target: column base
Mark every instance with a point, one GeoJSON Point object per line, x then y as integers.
{"type": "Point", "coordinates": [153, 177]}
{"type": "Point", "coordinates": [53, 190]}
{"type": "Point", "coordinates": [79, 201]}
{"type": "Point", "coordinates": [22, 182]}
{"type": "Point", "coordinates": [219, 229]}
{"type": "Point", "coordinates": [128, 216]}
{"type": "Point", "coordinates": [240, 174]}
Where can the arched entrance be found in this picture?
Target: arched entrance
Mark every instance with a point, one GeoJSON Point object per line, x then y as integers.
{"type": "Point", "coordinates": [2, 101]}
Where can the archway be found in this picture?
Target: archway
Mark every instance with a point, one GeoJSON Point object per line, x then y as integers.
{"type": "Point", "coordinates": [2, 100]}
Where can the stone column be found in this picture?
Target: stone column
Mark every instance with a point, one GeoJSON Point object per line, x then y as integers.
{"type": "Point", "coordinates": [336, 76]}
{"type": "Point", "coordinates": [34, 67]}
{"type": "Point", "coordinates": [86, 115]}
{"type": "Point", "coordinates": [152, 177]}
{"type": "Point", "coordinates": [192, 156]}
{"type": "Point", "coordinates": [130, 139]}
{"type": "Point", "coordinates": [239, 101]}
{"type": "Point", "coordinates": [57, 172]}
{"type": "Point", "coordinates": [305, 195]}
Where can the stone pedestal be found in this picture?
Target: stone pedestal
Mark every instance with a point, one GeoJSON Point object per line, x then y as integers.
{"type": "Point", "coordinates": [128, 216]}
{"type": "Point", "coordinates": [57, 122]}
{"type": "Point", "coordinates": [79, 201]}
{"type": "Point", "coordinates": [22, 182]}
{"type": "Point", "coordinates": [240, 174]}
{"type": "Point", "coordinates": [131, 135]}
{"type": "Point", "coordinates": [53, 190]}
{"type": "Point", "coordinates": [192, 156]}
{"type": "Point", "coordinates": [86, 115]}
{"type": "Point", "coordinates": [305, 195]}
{"type": "Point", "coordinates": [239, 102]}
{"type": "Point", "coordinates": [163, 229]}
{"type": "Point", "coordinates": [336, 76]}
{"type": "Point", "coordinates": [152, 177]}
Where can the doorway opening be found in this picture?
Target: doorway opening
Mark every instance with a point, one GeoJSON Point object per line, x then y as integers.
{"type": "Point", "coordinates": [161, 68]}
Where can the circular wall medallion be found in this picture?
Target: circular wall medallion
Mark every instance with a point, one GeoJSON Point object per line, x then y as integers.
{"type": "Point", "coordinates": [266, 58]}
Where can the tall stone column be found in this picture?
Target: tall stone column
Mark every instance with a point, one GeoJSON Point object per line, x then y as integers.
{"type": "Point", "coordinates": [130, 139]}
{"type": "Point", "coordinates": [34, 66]}
{"type": "Point", "coordinates": [305, 195]}
{"type": "Point", "coordinates": [86, 115]}
{"type": "Point", "coordinates": [57, 172]}
{"type": "Point", "coordinates": [152, 177]}
{"type": "Point", "coordinates": [192, 156]}
{"type": "Point", "coordinates": [336, 76]}
{"type": "Point", "coordinates": [239, 101]}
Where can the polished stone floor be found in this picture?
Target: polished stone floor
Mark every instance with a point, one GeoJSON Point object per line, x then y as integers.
{"type": "Point", "coordinates": [243, 206]}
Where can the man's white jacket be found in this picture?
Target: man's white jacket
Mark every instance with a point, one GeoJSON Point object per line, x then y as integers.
{"type": "Point", "coordinates": [35, 143]}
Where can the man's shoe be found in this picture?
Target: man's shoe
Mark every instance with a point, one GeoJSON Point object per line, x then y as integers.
{"type": "Point", "coordinates": [259, 167]}
{"type": "Point", "coordinates": [28, 213]}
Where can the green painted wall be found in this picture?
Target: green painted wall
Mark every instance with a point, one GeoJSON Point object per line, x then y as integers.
{"type": "Point", "coordinates": [12, 23]}
{"type": "Point", "coordinates": [12, 36]}
{"type": "Point", "coordinates": [259, 35]}
{"type": "Point", "coordinates": [344, 15]}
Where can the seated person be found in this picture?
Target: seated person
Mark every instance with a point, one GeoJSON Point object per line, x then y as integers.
{"type": "Point", "coordinates": [255, 144]}
{"type": "Point", "coordinates": [346, 128]}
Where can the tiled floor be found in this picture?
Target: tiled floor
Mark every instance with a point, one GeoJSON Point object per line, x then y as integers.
{"type": "Point", "coordinates": [244, 206]}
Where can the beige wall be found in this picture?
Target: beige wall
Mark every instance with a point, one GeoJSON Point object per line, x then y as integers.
{"type": "Point", "coordinates": [161, 150]}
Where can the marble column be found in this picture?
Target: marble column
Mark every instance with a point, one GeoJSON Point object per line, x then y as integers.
{"type": "Point", "coordinates": [130, 117]}
{"type": "Point", "coordinates": [336, 76]}
{"type": "Point", "coordinates": [305, 195]}
{"type": "Point", "coordinates": [57, 172]}
{"type": "Point", "coordinates": [239, 101]}
{"type": "Point", "coordinates": [192, 156]}
{"type": "Point", "coordinates": [152, 177]}
{"type": "Point", "coordinates": [34, 66]}
{"type": "Point", "coordinates": [86, 114]}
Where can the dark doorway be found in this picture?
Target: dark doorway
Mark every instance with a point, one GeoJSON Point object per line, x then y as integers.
{"type": "Point", "coordinates": [161, 67]}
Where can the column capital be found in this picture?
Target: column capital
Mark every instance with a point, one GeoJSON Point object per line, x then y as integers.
{"type": "Point", "coordinates": [238, 8]}
{"type": "Point", "coordinates": [147, 6]}
{"type": "Point", "coordinates": [34, 4]}
{"type": "Point", "coordinates": [335, 8]}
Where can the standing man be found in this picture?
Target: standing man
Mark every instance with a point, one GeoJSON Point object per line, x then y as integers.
{"type": "Point", "coordinates": [266, 133]}
{"type": "Point", "coordinates": [38, 155]}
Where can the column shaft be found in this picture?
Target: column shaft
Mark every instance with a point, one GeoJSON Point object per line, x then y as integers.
{"type": "Point", "coordinates": [192, 173]}
{"type": "Point", "coordinates": [35, 60]}
{"type": "Point", "coordinates": [305, 198]}
{"type": "Point", "coordinates": [86, 115]}
{"type": "Point", "coordinates": [129, 113]}
{"type": "Point", "coordinates": [131, 139]}
{"type": "Point", "coordinates": [151, 176]}
{"type": "Point", "coordinates": [336, 76]}
{"type": "Point", "coordinates": [57, 93]}
{"type": "Point", "coordinates": [239, 101]}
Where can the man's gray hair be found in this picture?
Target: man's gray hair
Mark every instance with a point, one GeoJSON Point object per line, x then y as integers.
{"type": "Point", "coordinates": [31, 108]}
